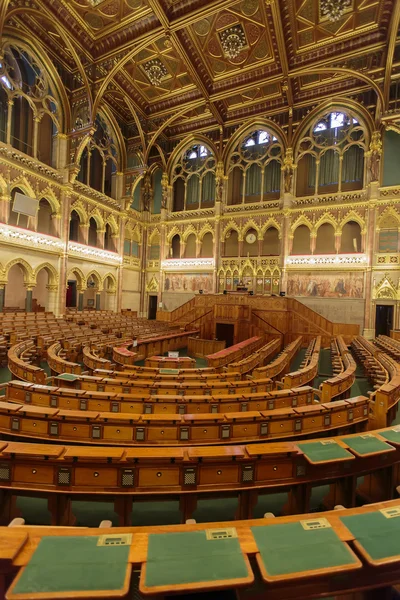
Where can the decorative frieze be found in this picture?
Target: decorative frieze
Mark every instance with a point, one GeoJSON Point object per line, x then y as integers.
{"type": "Point", "coordinates": [184, 264]}
{"type": "Point", "coordinates": [328, 260]}
{"type": "Point", "coordinates": [96, 254]}
{"type": "Point", "coordinates": [37, 241]}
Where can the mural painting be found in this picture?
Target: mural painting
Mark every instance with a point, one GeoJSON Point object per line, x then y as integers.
{"type": "Point", "coordinates": [326, 285]}
{"type": "Point", "coordinates": [188, 282]}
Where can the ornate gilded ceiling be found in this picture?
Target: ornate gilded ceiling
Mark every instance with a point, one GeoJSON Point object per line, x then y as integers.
{"type": "Point", "coordinates": [292, 57]}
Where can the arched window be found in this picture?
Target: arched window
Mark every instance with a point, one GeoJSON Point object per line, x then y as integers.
{"type": "Point", "coordinates": [74, 225]}
{"type": "Point", "coordinates": [271, 243]}
{"type": "Point", "coordinates": [36, 114]}
{"type": "Point", "coordinates": [330, 156]}
{"type": "Point", "coordinates": [325, 242]}
{"type": "Point", "coordinates": [351, 238]}
{"type": "Point", "coordinates": [108, 239]}
{"type": "Point", "coordinates": [207, 245]}
{"type": "Point", "coordinates": [231, 243]}
{"type": "Point", "coordinates": [254, 172]}
{"type": "Point", "coordinates": [44, 219]}
{"type": "Point", "coordinates": [176, 247]}
{"type": "Point", "coordinates": [301, 240]}
{"type": "Point", "coordinates": [193, 179]}
{"type": "Point", "coordinates": [190, 247]}
{"type": "Point", "coordinates": [92, 238]}
{"type": "Point", "coordinates": [99, 160]}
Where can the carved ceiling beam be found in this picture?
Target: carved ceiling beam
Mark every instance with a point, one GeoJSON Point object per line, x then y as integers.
{"type": "Point", "coordinates": [162, 17]}
{"type": "Point", "coordinates": [276, 17]}
{"type": "Point", "coordinates": [349, 72]}
{"type": "Point", "coordinates": [393, 33]}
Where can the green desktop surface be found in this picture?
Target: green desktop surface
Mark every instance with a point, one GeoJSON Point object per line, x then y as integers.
{"type": "Point", "coordinates": [323, 452]}
{"type": "Point", "coordinates": [74, 564]}
{"type": "Point", "coordinates": [189, 558]}
{"type": "Point", "coordinates": [288, 548]}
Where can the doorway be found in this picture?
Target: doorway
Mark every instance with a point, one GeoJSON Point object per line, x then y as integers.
{"type": "Point", "coordinates": [71, 294]}
{"type": "Point", "coordinates": [225, 331]}
{"type": "Point", "coordinates": [152, 307]}
{"type": "Point", "coordinates": [383, 319]}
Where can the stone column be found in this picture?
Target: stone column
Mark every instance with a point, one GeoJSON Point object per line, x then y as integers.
{"type": "Point", "coordinates": [313, 242]}
{"type": "Point", "coordinates": [286, 247]}
{"type": "Point", "coordinates": [84, 233]}
{"type": "Point", "coordinates": [28, 299]}
{"type": "Point", "coordinates": [36, 121]}
{"type": "Point", "coordinates": [217, 245]}
{"type": "Point", "coordinates": [97, 304]}
{"type": "Point", "coordinates": [61, 150]}
{"type": "Point", "coordinates": [119, 288]}
{"type": "Point", "coordinates": [100, 238]}
{"type": "Point", "coordinates": [10, 104]}
{"type": "Point", "coordinates": [110, 300]}
{"type": "Point", "coordinates": [198, 248]}
{"type": "Point", "coordinates": [80, 298]}
{"type": "Point", "coordinates": [52, 290]}
{"type": "Point", "coordinates": [2, 296]}
{"type": "Point", "coordinates": [117, 185]}
{"type": "Point", "coordinates": [338, 242]}
{"type": "Point", "coordinates": [369, 316]}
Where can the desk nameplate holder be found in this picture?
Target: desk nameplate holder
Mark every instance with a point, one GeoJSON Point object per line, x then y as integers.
{"type": "Point", "coordinates": [312, 524]}
{"type": "Point", "coordinates": [115, 539]}
{"type": "Point", "coordinates": [221, 534]}
{"type": "Point", "coordinates": [391, 513]}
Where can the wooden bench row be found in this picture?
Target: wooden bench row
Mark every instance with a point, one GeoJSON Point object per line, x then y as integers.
{"type": "Point", "coordinates": [234, 353]}
{"type": "Point", "coordinates": [257, 358]}
{"type": "Point", "coordinates": [36, 422]}
{"type": "Point", "coordinates": [344, 367]}
{"type": "Point", "coordinates": [18, 359]}
{"type": "Point", "coordinates": [385, 374]}
{"type": "Point", "coordinates": [62, 472]}
{"type": "Point", "coordinates": [279, 365]}
{"type": "Point", "coordinates": [308, 369]}
{"type": "Point", "coordinates": [58, 397]}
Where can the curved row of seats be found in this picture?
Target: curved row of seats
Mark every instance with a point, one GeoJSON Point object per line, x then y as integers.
{"type": "Point", "coordinates": [234, 353]}
{"type": "Point", "coordinates": [344, 368]}
{"type": "Point", "coordinates": [85, 426]}
{"type": "Point", "coordinates": [384, 372]}
{"type": "Point", "coordinates": [281, 363]}
{"type": "Point", "coordinates": [116, 401]}
{"type": "Point", "coordinates": [20, 364]}
{"type": "Point", "coordinates": [308, 369]}
{"type": "Point", "coordinates": [256, 468]}
{"type": "Point", "coordinates": [257, 358]}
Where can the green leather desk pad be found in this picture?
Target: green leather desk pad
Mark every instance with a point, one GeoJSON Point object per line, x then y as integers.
{"type": "Point", "coordinates": [189, 557]}
{"type": "Point", "coordinates": [320, 452]}
{"type": "Point", "coordinates": [74, 564]}
{"type": "Point", "coordinates": [288, 548]}
{"type": "Point", "coordinates": [378, 535]}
